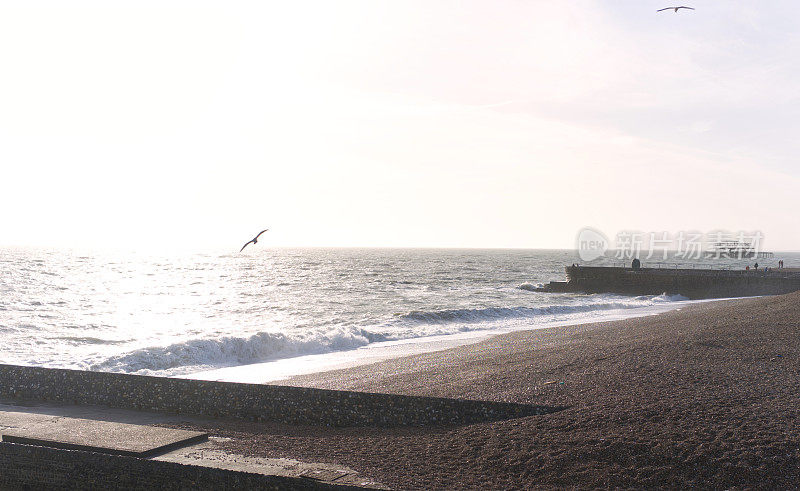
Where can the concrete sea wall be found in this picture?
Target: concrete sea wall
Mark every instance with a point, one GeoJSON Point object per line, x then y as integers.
{"type": "Point", "coordinates": [292, 405]}
{"type": "Point", "coordinates": [691, 283]}
{"type": "Point", "coordinates": [32, 467]}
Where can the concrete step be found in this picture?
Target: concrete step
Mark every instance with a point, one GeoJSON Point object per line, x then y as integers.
{"type": "Point", "coordinates": [106, 437]}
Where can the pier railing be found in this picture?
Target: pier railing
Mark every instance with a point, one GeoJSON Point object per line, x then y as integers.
{"type": "Point", "coordinates": [671, 265]}
{"type": "Point", "coordinates": [694, 282]}
{"type": "Point", "coordinates": [683, 269]}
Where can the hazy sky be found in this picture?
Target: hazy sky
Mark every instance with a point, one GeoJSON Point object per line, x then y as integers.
{"type": "Point", "coordinates": [431, 123]}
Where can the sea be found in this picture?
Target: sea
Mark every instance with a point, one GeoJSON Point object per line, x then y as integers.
{"type": "Point", "coordinates": [199, 314]}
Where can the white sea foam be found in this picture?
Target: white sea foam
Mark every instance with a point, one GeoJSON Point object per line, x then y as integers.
{"type": "Point", "coordinates": [497, 313]}
{"type": "Point", "coordinates": [195, 354]}
{"type": "Point", "coordinates": [228, 350]}
{"type": "Point", "coordinates": [173, 315]}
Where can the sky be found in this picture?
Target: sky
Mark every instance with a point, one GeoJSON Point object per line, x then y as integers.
{"type": "Point", "coordinates": [168, 125]}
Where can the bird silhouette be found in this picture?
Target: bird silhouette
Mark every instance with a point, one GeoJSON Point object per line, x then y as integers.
{"type": "Point", "coordinates": [254, 240]}
{"type": "Point", "coordinates": [675, 8]}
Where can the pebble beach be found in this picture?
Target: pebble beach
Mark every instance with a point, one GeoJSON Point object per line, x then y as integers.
{"type": "Point", "coordinates": [703, 396]}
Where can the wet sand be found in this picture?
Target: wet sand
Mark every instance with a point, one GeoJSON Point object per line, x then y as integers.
{"type": "Point", "coordinates": [706, 396]}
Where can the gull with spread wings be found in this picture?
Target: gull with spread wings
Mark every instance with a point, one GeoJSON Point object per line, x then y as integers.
{"type": "Point", "coordinates": [675, 8]}
{"type": "Point", "coordinates": [254, 241]}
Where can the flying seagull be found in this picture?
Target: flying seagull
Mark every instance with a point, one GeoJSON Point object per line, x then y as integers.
{"type": "Point", "coordinates": [254, 241]}
{"type": "Point", "coordinates": [674, 8]}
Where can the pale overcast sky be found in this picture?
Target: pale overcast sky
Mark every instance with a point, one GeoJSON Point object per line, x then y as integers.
{"type": "Point", "coordinates": [430, 123]}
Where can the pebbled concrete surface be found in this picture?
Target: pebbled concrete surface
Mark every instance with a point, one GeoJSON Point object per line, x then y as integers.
{"type": "Point", "coordinates": [136, 433]}
{"type": "Point", "coordinates": [109, 437]}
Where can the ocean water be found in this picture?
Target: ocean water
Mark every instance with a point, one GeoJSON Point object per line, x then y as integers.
{"type": "Point", "coordinates": [178, 315]}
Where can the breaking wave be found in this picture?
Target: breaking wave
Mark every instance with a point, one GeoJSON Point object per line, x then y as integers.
{"type": "Point", "coordinates": [496, 313]}
{"type": "Point", "coordinates": [184, 357]}
{"type": "Point", "coordinates": [230, 350]}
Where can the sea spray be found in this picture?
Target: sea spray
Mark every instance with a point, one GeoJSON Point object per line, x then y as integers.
{"type": "Point", "coordinates": [171, 315]}
{"type": "Point", "coordinates": [196, 354]}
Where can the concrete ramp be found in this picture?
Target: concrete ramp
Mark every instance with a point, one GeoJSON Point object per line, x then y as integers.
{"type": "Point", "coordinates": [94, 436]}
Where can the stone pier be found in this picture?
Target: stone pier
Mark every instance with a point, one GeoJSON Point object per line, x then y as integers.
{"type": "Point", "coordinates": [691, 283]}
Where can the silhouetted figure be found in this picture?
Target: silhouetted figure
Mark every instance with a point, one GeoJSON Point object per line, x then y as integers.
{"type": "Point", "coordinates": [254, 241]}
{"type": "Point", "coordinates": [636, 264]}
{"type": "Point", "coordinates": [674, 8]}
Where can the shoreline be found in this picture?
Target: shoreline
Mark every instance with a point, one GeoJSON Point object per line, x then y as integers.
{"type": "Point", "coordinates": [705, 396]}
{"type": "Point", "coordinates": [279, 371]}
{"type": "Point", "coordinates": [548, 336]}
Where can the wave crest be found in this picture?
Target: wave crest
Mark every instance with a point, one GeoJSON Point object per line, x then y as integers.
{"type": "Point", "coordinates": [496, 313]}
{"type": "Point", "coordinates": [229, 350]}
{"type": "Point", "coordinates": [194, 354]}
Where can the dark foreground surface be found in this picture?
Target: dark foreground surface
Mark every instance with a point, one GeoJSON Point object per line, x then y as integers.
{"type": "Point", "coordinates": [704, 397]}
